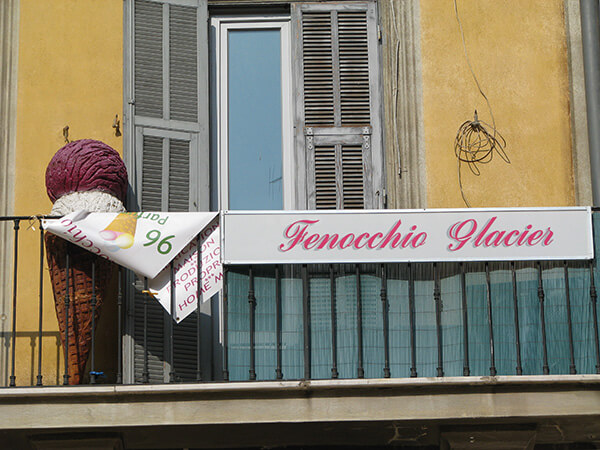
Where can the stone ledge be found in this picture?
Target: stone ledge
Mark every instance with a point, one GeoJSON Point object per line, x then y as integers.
{"type": "Point", "coordinates": [299, 385]}
{"type": "Point", "coordinates": [398, 400]}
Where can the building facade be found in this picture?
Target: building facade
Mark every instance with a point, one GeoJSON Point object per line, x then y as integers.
{"type": "Point", "coordinates": [292, 105]}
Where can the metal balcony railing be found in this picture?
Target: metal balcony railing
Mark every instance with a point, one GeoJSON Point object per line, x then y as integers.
{"type": "Point", "coordinates": [19, 304]}
{"type": "Point", "coordinates": [411, 319]}
{"type": "Point", "coordinates": [319, 321]}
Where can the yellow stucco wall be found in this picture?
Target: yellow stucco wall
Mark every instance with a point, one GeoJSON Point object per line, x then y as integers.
{"type": "Point", "coordinates": [70, 72]}
{"type": "Point", "coordinates": [518, 52]}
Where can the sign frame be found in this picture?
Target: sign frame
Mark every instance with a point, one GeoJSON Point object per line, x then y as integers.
{"type": "Point", "coordinates": [582, 215]}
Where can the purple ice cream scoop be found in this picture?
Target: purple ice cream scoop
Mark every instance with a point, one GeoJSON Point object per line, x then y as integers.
{"type": "Point", "coordinates": [86, 165]}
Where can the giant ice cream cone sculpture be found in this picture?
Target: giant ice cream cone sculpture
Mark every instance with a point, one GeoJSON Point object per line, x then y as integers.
{"type": "Point", "coordinates": [80, 295]}
{"type": "Point", "coordinates": [88, 175]}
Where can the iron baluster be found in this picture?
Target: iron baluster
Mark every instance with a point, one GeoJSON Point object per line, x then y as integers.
{"type": "Point", "coordinates": [278, 371]}
{"type": "Point", "coordinates": [572, 368]}
{"type": "Point", "coordinates": [67, 301]}
{"type": "Point", "coordinates": [225, 325]}
{"type": "Point", "coordinates": [40, 313]}
{"type": "Point", "coordinates": [93, 305]}
{"type": "Point", "coordinates": [465, 314]}
{"type": "Point", "coordinates": [172, 317]}
{"type": "Point", "coordinates": [411, 316]}
{"type": "Point", "coordinates": [252, 309]}
{"type": "Point", "coordinates": [594, 299]}
{"type": "Point", "coordinates": [386, 330]}
{"type": "Point", "coordinates": [437, 298]}
{"type": "Point", "coordinates": [359, 323]}
{"type": "Point", "coordinates": [334, 369]}
{"type": "Point", "coordinates": [120, 327]}
{"type": "Point", "coordinates": [488, 283]}
{"type": "Point", "coordinates": [306, 320]}
{"type": "Point", "coordinates": [198, 316]}
{"type": "Point", "coordinates": [519, 368]}
{"type": "Point", "coordinates": [541, 296]}
{"type": "Point", "coordinates": [146, 373]}
{"type": "Point", "coordinates": [13, 379]}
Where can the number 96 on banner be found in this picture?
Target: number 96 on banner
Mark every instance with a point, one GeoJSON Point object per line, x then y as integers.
{"type": "Point", "coordinates": [163, 246]}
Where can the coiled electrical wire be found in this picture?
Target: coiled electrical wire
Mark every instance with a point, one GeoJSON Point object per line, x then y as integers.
{"type": "Point", "coordinates": [476, 141]}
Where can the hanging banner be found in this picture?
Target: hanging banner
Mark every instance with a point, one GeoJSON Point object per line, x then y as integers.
{"type": "Point", "coordinates": [147, 242]}
{"type": "Point", "coordinates": [185, 279]}
{"type": "Point", "coordinates": [406, 235]}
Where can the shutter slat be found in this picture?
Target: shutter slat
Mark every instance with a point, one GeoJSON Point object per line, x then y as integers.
{"type": "Point", "coordinates": [154, 330]}
{"type": "Point", "coordinates": [185, 349]}
{"type": "Point", "coordinates": [152, 174]}
{"type": "Point", "coordinates": [148, 78]}
{"type": "Point", "coordinates": [352, 177]}
{"type": "Point", "coordinates": [354, 68]}
{"type": "Point", "coordinates": [179, 175]}
{"type": "Point", "coordinates": [318, 69]}
{"type": "Point", "coordinates": [325, 177]}
{"type": "Point", "coordinates": [183, 57]}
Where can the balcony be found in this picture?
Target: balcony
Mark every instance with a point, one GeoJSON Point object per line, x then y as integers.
{"type": "Point", "coordinates": [316, 338]}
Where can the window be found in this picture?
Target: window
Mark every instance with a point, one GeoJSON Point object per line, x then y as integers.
{"type": "Point", "coordinates": [292, 114]}
{"type": "Point", "coordinates": [315, 138]}
{"type": "Point", "coordinates": [252, 118]}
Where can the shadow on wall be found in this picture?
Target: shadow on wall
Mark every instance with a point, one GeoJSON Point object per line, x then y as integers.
{"type": "Point", "coordinates": [27, 353]}
{"type": "Point", "coordinates": [51, 346]}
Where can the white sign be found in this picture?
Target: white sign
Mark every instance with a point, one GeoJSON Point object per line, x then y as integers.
{"type": "Point", "coordinates": [146, 242]}
{"type": "Point", "coordinates": [406, 235]}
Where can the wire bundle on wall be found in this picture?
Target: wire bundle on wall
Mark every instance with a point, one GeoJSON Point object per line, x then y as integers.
{"type": "Point", "coordinates": [476, 141]}
{"type": "Point", "coordinates": [475, 145]}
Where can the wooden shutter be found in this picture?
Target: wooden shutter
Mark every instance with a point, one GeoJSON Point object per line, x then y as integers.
{"type": "Point", "coordinates": [338, 113]}
{"type": "Point", "coordinates": [168, 159]}
{"type": "Point", "coordinates": [148, 50]}
{"type": "Point", "coordinates": [164, 185]}
{"type": "Point", "coordinates": [168, 90]}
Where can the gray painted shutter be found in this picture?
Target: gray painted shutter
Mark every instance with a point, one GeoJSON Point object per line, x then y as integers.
{"type": "Point", "coordinates": [148, 59]}
{"type": "Point", "coordinates": [169, 164]}
{"type": "Point", "coordinates": [338, 112]}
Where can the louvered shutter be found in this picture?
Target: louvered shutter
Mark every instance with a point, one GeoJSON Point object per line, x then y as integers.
{"type": "Point", "coordinates": [168, 161]}
{"type": "Point", "coordinates": [338, 113]}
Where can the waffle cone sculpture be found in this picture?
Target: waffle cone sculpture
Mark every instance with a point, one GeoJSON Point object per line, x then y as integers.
{"type": "Point", "coordinates": [88, 175]}
{"type": "Point", "coordinates": [81, 292]}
